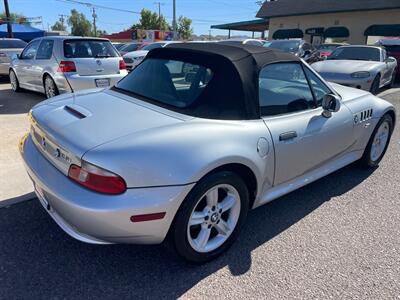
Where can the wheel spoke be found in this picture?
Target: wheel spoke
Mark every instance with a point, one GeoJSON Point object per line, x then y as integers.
{"type": "Point", "coordinates": [203, 237]}
{"type": "Point", "coordinates": [228, 202]}
{"type": "Point", "coordinates": [212, 197]}
{"type": "Point", "coordinates": [197, 218]}
{"type": "Point", "coordinates": [222, 227]}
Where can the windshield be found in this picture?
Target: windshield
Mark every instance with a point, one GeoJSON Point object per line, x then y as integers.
{"type": "Point", "coordinates": [153, 46]}
{"type": "Point", "coordinates": [326, 47]}
{"type": "Point", "coordinates": [356, 53]}
{"type": "Point", "coordinates": [130, 47]}
{"type": "Point", "coordinates": [83, 48]}
{"type": "Point", "coordinates": [171, 82]}
{"type": "Point", "coordinates": [286, 46]}
{"type": "Point", "coordinates": [12, 44]}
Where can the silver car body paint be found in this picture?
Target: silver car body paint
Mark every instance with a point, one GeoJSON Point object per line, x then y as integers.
{"type": "Point", "coordinates": [31, 72]}
{"type": "Point", "coordinates": [162, 154]}
{"type": "Point", "coordinates": [340, 71]}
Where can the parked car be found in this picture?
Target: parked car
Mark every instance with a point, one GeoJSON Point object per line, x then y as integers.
{"type": "Point", "coordinates": [182, 147]}
{"type": "Point", "coordinates": [243, 41]}
{"type": "Point", "coordinates": [326, 49]}
{"type": "Point", "coordinates": [57, 65]}
{"type": "Point", "coordinates": [130, 47]}
{"type": "Point", "coordinates": [299, 48]}
{"type": "Point", "coordinates": [363, 67]}
{"type": "Point", "coordinates": [132, 59]}
{"type": "Point", "coordinates": [8, 49]}
{"type": "Point", "coordinates": [392, 47]}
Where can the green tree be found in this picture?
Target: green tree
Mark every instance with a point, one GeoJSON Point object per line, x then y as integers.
{"type": "Point", "coordinates": [80, 26]}
{"type": "Point", "coordinates": [15, 18]}
{"type": "Point", "coordinates": [58, 26]}
{"type": "Point", "coordinates": [184, 28]}
{"type": "Point", "coordinates": [150, 21]}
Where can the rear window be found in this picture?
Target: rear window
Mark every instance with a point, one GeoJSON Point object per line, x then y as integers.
{"type": "Point", "coordinates": [12, 44]}
{"type": "Point", "coordinates": [88, 48]}
{"type": "Point", "coordinates": [170, 82]}
{"type": "Point", "coordinates": [356, 53]}
{"type": "Point", "coordinates": [130, 47]}
{"type": "Point", "coordinates": [153, 46]}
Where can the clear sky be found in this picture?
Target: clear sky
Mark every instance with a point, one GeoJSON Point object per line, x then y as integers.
{"type": "Point", "coordinates": [203, 12]}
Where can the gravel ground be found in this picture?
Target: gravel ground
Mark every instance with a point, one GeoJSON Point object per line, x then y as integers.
{"type": "Point", "coordinates": [336, 238]}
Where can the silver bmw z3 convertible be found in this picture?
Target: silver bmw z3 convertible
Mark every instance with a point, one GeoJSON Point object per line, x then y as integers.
{"type": "Point", "coordinates": [195, 136]}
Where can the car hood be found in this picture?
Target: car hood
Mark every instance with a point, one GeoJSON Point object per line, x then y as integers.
{"type": "Point", "coordinates": [344, 66]}
{"type": "Point", "coordinates": [81, 121]}
{"type": "Point", "coordinates": [138, 53]}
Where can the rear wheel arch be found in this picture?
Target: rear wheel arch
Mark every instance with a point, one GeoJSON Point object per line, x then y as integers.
{"type": "Point", "coordinates": [391, 113]}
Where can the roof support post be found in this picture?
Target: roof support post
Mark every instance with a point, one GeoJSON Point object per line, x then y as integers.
{"type": "Point", "coordinates": [252, 35]}
{"type": "Point", "coordinates": [229, 33]}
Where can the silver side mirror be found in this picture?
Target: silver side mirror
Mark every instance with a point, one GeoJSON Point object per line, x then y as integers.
{"type": "Point", "coordinates": [330, 104]}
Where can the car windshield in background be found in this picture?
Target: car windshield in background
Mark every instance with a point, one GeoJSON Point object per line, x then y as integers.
{"type": "Point", "coordinates": [119, 46]}
{"type": "Point", "coordinates": [327, 47]}
{"type": "Point", "coordinates": [12, 44]}
{"type": "Point", "coordinates": [153, 46]}
{"type": "Point", "coordinates": [130, 47]}
{"type": "Point", "coordinates": [83, 48]}
{"type": "Point", "coordinates": [171, 82]}
{"type": "Point", "coordinates": [356, 53]}
{"type": "Point", "coordinates": [286, 46]}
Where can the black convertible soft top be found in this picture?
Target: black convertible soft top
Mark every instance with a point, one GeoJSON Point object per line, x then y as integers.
{"type": "Point", "coordinates": [232, 94]}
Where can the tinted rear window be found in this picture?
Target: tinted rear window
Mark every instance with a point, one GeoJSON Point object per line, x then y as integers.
{"type": "Point", "coordinates": [130, 47]}
{"type": "Point", "coordinates": [170, 82]}
{"type": "Point", "coordinates": [12, 44]}
{"type": "Point", "coordinates": [88, 48]}
{"type": "Point", "coordinates": [286, 46]}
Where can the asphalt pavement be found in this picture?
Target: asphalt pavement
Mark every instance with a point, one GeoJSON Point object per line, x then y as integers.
{"type": "Point", "coordinates": [335, 238]}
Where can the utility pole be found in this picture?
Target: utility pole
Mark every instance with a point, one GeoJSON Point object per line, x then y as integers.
{"type": "Point", "coordinates": [174, 18]}
{"type": "Point", "coordinates": [94, 20]}
{"type": "Point", "coordinates": [62, 18]}
{"type": "Point", "coordinates": [159, 13]}
{"type": "Point", "coordinates": [8, 19]}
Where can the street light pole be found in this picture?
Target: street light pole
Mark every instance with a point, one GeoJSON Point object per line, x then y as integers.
{"type": "Point", "coordinates": [8, 17]}
{"type": "Point", "coordinates": [94, 20]}
{"type": "Point", "coordinates": [174, 18]}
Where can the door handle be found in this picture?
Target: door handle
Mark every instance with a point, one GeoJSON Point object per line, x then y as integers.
{"type": "Point", "coordinates": [287, 135]}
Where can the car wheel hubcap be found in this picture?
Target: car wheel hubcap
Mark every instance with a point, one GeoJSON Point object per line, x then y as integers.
{"type": "Point", "coordinates": [380, 140]}
{"type": "Point", "coordinates": [13, 81]}
{"type": "Point", "coordinates": [214, 218]}
{"type": "Point", "coordinates": [50, 90]}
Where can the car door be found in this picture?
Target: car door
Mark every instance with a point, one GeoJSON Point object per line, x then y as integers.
{"type": "Point", "coordinates": [24, 68]}
{"type": "Point", "coordinates": [42, 62]}
{"type": "Point", "coordinates": [290, 103]}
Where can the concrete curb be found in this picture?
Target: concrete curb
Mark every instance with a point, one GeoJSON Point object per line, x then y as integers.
{"type": "Point", "coordinates": [15, 200]}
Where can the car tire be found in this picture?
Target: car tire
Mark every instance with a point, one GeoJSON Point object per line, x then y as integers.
{"type": "Point", "coordinates": [210, 218]}
{"type": "Point", "coordinates": [375, 85]}
{"type": "Point", "coordinates": [376, 147]}
{"type": "Point", "coordinates": [393, 80]}
{"type": "Point", "coordinates": [50, 87]}
{"type": "Point", "coordinates": [14, 81]}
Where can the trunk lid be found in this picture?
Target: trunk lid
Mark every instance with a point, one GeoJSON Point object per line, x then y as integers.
{"type": "Point", "coordinates": [82, 121]}
{"type": "Point", "coordinates": [97, 66]}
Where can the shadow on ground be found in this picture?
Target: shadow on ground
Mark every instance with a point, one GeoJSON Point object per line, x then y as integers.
{"type": "Point", "coordinates": [39, 261]}
{"type": "Point", "coordinates": [16, 103]}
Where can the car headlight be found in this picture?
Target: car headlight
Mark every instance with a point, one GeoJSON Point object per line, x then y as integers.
{"type": "Point", "coordinates": [362, 74]}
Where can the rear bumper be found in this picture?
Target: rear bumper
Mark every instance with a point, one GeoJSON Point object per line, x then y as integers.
{"type": "Point", "coordinates": [75, 82]}
{"type": "Point", "coordinates": [97, 218]}
{"type": "Point", "coordinates": [4, 68]}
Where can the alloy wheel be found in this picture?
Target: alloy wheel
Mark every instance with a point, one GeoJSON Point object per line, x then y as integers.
{"type": "Point", "coordinates": [50, 88]}
{"type": "Point", "coordinates": [13, 81]}
{"type": "Point", "coordinates": [380, 140]}
{"type": "Point", "coordinates": [214, 218]}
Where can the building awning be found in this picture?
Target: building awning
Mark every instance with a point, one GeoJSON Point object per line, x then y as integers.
{"type": "Point", "coordinates": [281, 34]}
{"type": "Point", "coordinates": [383, 30]}
{"type": "Point", "coordinates": [258, 25]}
{"type": "Point", "coordinates": [336, 32]}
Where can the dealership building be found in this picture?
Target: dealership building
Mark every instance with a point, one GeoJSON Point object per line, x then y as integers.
{"type": "Point", "coordinates": [352, 21]}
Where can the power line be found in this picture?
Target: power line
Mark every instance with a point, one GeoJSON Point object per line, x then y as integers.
{"type": "Point", "coordinates": [88, 4]}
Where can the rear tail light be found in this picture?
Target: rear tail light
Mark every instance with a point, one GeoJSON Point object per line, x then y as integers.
{"type": "Point", "coordinates": [122, 65]}
{"type": "Point", "coordinates": [2, 54]}
{"type": "Point", "coordinates": [97, 179]}
{"type": "Point", "coordinates": [66, 66]}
